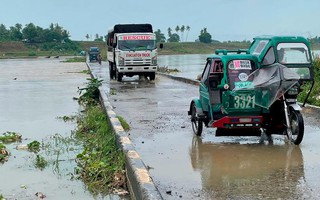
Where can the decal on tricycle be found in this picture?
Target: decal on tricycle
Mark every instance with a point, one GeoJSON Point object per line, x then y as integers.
{"type": "Point", "coordinates": [244, 92]}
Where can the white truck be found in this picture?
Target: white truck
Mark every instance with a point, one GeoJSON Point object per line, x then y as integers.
{"type": "Point", "coordinates": [132, 50]}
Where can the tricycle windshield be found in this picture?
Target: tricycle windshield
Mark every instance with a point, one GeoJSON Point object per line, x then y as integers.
{"type": "Point", "coordinates": [296, 54]}
{"type": "Point", "coordinates": [238, 73]}
{"type": "Point", "coordinates": [293, 53]}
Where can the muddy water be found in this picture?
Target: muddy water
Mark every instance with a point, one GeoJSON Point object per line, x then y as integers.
{"type": "Point", "coordinates": [187, 167]}
{"type": "Point", "coordinates": [190, 66]}
{"type": "Point", "coordinates": [33, 94]}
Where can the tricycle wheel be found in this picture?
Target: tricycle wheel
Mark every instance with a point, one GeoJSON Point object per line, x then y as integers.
{"type": "Point", "coordinates": [297, 127]}
{"type": "Point", "coordinates": [197, 124]}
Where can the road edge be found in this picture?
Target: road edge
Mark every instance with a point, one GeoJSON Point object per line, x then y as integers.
{"type": "Point", "coordinates": [140, 183]}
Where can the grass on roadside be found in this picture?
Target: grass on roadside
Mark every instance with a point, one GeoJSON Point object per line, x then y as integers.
{"type": "Point", "coordinates": [314, 95]}
{"type": "Point", "coordinates": [101, 162]}
{"type": "Point", "coordinates": [124, 124]}
{"type": "Point", "coordinates": [75, 59]}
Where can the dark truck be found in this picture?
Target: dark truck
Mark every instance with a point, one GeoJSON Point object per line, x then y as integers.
{"type": "Point", "coordinates": [94, 53]}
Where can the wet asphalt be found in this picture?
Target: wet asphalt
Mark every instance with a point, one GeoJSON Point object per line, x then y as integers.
{"type": "Point", "coordinates": [184, 166]}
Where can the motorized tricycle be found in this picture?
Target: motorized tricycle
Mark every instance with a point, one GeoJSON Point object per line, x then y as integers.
{"type": "Point", "coordinates": [247, 92]}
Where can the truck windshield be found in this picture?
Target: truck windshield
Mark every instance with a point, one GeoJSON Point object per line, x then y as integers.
{"type": "Point", "coordinates": [136, 45]}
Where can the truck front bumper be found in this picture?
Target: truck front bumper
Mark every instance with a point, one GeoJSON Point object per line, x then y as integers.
{"type": "Point", "coordinates": [138, 69]}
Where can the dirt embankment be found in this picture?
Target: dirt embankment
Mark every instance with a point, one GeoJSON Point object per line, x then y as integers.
{"type": "Point", "coordinates": [11, 47]}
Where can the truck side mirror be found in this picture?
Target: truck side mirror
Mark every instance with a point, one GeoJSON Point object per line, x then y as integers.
{"type": "Point", "coordinates": [161, 45]}
{"type": "Point", "coordinates": [114, 45]}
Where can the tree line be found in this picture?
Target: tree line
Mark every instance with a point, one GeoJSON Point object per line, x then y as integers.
{"type": "Point", "coordinates": [54, 38]}
{"type": "Point", "coordinates": [204, 36]}
{"type": "Point", "coordinates": [33, 34]}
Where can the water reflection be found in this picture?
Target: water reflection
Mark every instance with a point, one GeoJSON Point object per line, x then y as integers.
{"type": "Point", "coordinates": [253, 170]}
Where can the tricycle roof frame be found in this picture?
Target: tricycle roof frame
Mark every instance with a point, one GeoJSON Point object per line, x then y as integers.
{"type": "Point", "coordinates": [225, 58]}
{"type": "Point", "coordinates": [278, 39]}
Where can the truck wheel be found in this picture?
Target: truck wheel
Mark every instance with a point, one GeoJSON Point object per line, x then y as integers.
{"type": "Point", "coordinates": [152, 76]}
{"type": "Point", "coordinates": [111, 71]}
{"type": "Point", "coordinates": [119, 76]}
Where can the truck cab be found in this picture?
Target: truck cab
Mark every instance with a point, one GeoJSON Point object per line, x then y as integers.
{"type": "Point", "coordinates": [132, 50]}
{"type": "Point", "coordinates": [93, 53]}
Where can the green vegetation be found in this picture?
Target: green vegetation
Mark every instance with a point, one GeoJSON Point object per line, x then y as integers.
{"type": "Point", "coordinates": [90, 94]}
{"type": "Point", "coordinates": [36, 41]}
{"type": "Point", "coordinates": [10, 137]}
{"type": "Point", "coordinates": [75, 59]}
{"type": "Point", "coordinates": [34, 146]}
{"type": "Point", "coordinates": [172, 48]}
{"type": "Point", "coordinates": [113, 91]}
{"type": "Point", "coordinates": [1, 197]}
{"type": "Point", "coordinates": [86, 71]}
{"type": "Point", "coordinates": [124, 124]}
{"type": "Point", "coordinates": [4, 154]}
{"type": "Point", "coordinates": [41, 162]}
{"type": "Point", "coordinates": [102, 162]}
{"type": "Point", "coordinates": [314, 96]}
{"type": "Point", "coordinates": [204, 36]}
{"type": "Point", "coordinates": [68, 118]}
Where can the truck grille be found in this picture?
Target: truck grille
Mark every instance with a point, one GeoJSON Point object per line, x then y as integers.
{"type": "Point", "coordinates": [139, 62]}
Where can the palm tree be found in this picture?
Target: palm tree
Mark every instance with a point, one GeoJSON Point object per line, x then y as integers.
{"type": "Point", "coordinates": [177, 29]}
{"type": "Point", "coordinates": [169, 31]}
{"type": "Point", "coordinates": [182, 29]}
{"type": "Point", "coordinates": [188, 29]}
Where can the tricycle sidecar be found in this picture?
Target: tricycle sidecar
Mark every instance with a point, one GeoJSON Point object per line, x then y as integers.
{"type": "Point", "coordinates": [245, 91]}
{"type": "Point", "coordinates": [231, 111]}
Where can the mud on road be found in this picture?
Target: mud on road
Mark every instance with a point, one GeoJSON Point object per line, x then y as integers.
{"type": "Point", "coordinates": [187, 167]}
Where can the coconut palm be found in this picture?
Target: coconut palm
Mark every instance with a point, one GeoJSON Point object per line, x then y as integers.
{"type": "Point", "coordinates": [182, 29]}
{"type": "Point", "coordinates": [169, 31]}
{"type": "Point", "coordinates": [177, 29]}
{"type": "Point", "coordinates": [187, 29]}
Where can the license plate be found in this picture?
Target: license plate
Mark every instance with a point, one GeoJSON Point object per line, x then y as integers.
{"type": "Point", "coordinates": [245, 120]}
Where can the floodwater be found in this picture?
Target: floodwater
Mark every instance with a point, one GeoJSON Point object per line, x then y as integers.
{"type": "Point", "coordinates": [34, 93]}
{"type": "Point", "coordinates": [184, 166]}
{"type": "Point", "coordinates": [190, 66]}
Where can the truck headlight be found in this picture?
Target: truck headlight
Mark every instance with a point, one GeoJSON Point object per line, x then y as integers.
{"type": "Point", "coordinates": [154, 60]}
{"type": "Point", "coordinates": [121, 61]}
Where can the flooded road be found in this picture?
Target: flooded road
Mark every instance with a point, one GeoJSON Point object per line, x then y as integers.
{"type": "Point", "coordinates": [187, 167]}
{"type": "Point", "coordinates": [34, 93]}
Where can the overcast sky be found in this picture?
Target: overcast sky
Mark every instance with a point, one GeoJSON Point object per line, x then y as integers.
{"type": "Point", "coordinates": [224, 19]}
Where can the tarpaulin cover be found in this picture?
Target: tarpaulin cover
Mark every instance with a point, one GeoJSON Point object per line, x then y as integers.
{"type": "Point", "coordinates": [272, 81]}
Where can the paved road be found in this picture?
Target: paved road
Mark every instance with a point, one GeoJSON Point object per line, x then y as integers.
{"type": "Point", "coordinates": [187, 167]}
